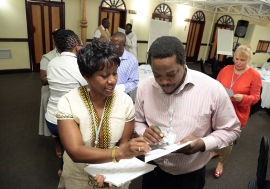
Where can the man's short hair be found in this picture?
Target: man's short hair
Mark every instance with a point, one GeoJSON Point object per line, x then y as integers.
{"type": "Point", "coordinates": [105, 20]}
{"type": "Point", "coordinates": [167, 46]}
{"type": "Point", "coordinates": [130, 25]}
{"type": "Point", "coordinates": [120, 35]}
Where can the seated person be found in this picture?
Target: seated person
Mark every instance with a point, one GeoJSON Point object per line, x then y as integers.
{"type": "Point", "coordinates": [266, 65]}
{"type": "Point", "coordinates": [128, 71]}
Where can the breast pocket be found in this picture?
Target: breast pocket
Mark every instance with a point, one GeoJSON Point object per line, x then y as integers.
{"type": "Point", "coordinates": [198, 123]}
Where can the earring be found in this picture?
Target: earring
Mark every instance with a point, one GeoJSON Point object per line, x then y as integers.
{"type": "Point", "coordinates": [88, 90]}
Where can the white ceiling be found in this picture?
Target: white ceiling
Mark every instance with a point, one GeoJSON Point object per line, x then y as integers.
{"type": "Point", "coordinates": [258, 9]}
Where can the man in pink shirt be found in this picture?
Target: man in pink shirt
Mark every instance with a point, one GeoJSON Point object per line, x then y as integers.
{"type": "Point", "coordinates": [182, 105]}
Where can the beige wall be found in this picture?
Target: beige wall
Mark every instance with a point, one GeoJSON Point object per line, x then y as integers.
{"type": "Point", "coordinates": [259, 33]}
{"type": "Point", "coordinates": [14, 24]}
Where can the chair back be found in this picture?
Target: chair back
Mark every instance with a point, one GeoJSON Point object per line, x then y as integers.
{"type": "Point", "coordinates": [262, 163]}
{"type": "Point", "coordinates": [228, 61]}
{"type": "Point", "coordinates": [214, 67]}
{"type": "Point", "coordinates": [202, 66]}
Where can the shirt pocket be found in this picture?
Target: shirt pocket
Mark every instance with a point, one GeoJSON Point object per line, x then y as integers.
{"type": "Point", "coordinates": [198, 124]}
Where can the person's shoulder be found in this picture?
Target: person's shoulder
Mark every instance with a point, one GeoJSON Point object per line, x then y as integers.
{"type": "Point", "coordinates": [228, 67]}
{"type": "Point", "coordinates": [50, 55]}
{"type": "Point", "coordinates": [254, 72]}
{"type": "Point", "coordinates": [121, 95]}
{"type": "Point", "coordinates": [132, 34]}
{"type": "Point", "coordinates": [201, 79]}
{"type": "Point", "coordinates": [130, 56]}
{"type": "Point", "coordinates": [54, 61]}
{"type": "Point", "coordinates": [149, 81]}
{"type": "Point", "coordinates": [72, 94]}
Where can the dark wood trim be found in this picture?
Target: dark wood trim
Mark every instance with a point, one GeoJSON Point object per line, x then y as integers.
{"type": "Point", "coordinates": [43, 26]}
{"type": "Point", "coordinates": [46, 1]}
{"type": "Point", "coordinates": [12, 71]}
{"type": "Point", "coordinates": [13, 39]}
{"type": "Point", "coordinates": [141, 63]}
{"type": "Point", "coordinates": [87, 40]}
{"type": "Point", "coordinates": [141, 41]}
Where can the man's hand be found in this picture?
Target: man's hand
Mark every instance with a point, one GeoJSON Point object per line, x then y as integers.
{"type": "Point", "coordinates": [153, 135]}
{"type": "Point", "coordinates": [194, 147]}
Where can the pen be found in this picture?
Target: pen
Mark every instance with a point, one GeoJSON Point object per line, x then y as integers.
{"type": "Point", "coordinates": [163, 136]}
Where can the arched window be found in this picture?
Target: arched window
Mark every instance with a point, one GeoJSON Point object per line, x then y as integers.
{"type": "Point", "coordinates": [119, 4]}
{"type": "Point", "coordinates": [195, 34]}
{"type": "Point", "coordinates": [162, 12]}
{"type": "Point", "coordinates": [198, 16]}
{"type": "Point", "coordinates": [225, 20]}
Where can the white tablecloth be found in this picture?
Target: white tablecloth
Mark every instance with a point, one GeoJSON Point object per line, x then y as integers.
{"type": "Point", "coordinates": [265, 96]}
{"type": "Point", "coordinates": [144, 72]}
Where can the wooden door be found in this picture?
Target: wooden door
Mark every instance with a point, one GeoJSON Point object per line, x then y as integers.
{"type": "Point", "coordinates": [194, 37]}
{"type": "Point", "coordinates": [42, 19]}
{"type": "Point", "coordinates": [224, 22]}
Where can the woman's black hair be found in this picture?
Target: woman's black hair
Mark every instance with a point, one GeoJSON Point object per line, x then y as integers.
{"type": "Point", "coordinates": [66, 40]}
{"type": "Point", "coordinates": [94, 56]}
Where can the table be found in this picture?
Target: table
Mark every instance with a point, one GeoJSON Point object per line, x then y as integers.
{"type": "Point", "coordinates": [144, 72]}
{"type": "Point", "coordinates": [265, 96]}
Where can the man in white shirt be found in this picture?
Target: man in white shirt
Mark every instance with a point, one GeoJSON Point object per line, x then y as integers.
{"type": "Point", "coordinates": [131, 40]}
{"type": "Point", "coordinates": [102, 31]}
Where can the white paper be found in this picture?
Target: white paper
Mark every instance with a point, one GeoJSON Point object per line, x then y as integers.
{"type": "Point", "coordinates": [119, 173]}
{"type": "Point", "coordinates": [120, 87]}
{"type": "Point", "coordinates": [230, 92]}
{"type": "Point", "coordinates": [154, 154]}
{"type": "Point", "coordinates": [122, 30]}
{"type": "Point", "coordinates": [225, 42]}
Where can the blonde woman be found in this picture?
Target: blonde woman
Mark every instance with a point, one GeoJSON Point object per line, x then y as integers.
{"type": "Point", "coordinates": [246, 84]}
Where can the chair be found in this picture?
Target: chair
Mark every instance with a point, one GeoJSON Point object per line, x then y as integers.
{"type": "Point", "coordinates": [261, 182]}
{"type": "Point", "coordinates": [228, 61]}
{"type": "Point", "coordinates": [214, 67]}
{"type": "Point", "coordinates": [256, 107]}
{"type": "Point", "coordinates": [203, 70]}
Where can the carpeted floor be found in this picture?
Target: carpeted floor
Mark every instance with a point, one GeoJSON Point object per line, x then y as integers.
{"type": "Point", "coordinates": [28, 160]}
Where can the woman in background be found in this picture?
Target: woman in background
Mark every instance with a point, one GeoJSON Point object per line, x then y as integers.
{"type": "Point", "coordinates": [63, 75]}
{"type": "Point", "coordinates": [45, 94]}
{"type": "Point", "coordinates": [94, 118]}
{"type": "Point", "coordinates": [246, 84]}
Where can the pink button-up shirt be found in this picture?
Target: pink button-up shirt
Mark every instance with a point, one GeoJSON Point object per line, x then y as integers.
{"type": "Point", "coordinates": [204, 110]}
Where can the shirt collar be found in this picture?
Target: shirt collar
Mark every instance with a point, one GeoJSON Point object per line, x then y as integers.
{"type": "Point", "coordinates": [68, 54]}
{"type": "Point", "coordinates": [188, 79]}
{"type": "Point", "coordinates": [124, 55]}
{"type": "Point", "coordinates": [103, 28]}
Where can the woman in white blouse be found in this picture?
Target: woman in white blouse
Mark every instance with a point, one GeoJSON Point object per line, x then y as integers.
{"type": "Point", "coordinates": [94, 118]}
{"type": "Point", "coordinates": [63, 75]}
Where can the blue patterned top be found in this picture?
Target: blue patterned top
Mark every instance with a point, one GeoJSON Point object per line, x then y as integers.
{"type": "Point", "coordinates": [128, 71]}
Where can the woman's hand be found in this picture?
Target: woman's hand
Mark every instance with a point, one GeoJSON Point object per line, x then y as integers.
{"type": "Point", "coordinates": [238, 97]}
{"type": "Point", "coordinates": [153, 135]}
{"type": "Point", "coordinates": [100, 180]}
{"type": "Point", "coordinates": [135, 147]}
